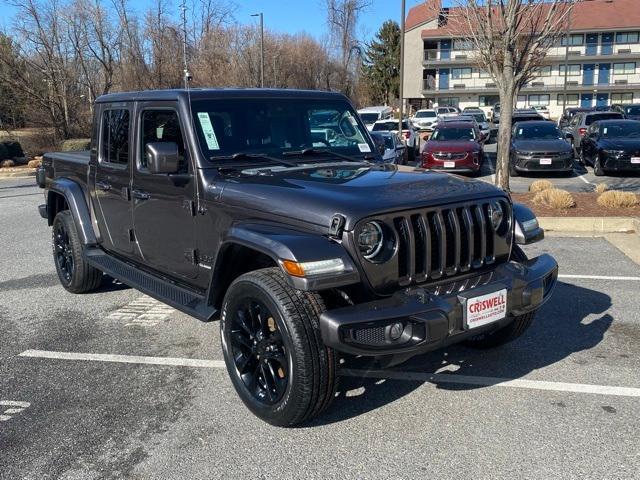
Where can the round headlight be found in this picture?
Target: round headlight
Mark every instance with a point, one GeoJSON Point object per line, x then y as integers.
{"type": "Point", "coordinates": [370, 240]}
{"type": "Point", "coordinates": [496, 214]}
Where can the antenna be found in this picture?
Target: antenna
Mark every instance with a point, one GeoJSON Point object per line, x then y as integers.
{"type": "Point", "coordinates": [187, 75]}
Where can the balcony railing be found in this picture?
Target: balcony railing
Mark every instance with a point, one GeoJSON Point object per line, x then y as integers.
{"type": "Point", "coordinates": [540, 84]}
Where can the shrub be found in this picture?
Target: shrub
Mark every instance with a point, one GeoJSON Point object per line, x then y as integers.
{"type": "Point", "coordinates": [7, 163]}
{"type": "Point", "coordinates": [76, 144]}
{"type": "Point", "coordinates": [14, 149]}
{"type": "Point", "coordinates": [617, 199]}
{"type": "Point", "coordinates": [35, 163]}
{"type": "Point", "coordinates": [555, 198]}
{"type": "Point", "coordinates": [540, 185]}
{"type": "Point", "coordinates": [601, 188]}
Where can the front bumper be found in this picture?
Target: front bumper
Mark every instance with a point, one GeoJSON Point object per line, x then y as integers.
{"type": "Point", "coordinates": [432, 319]}
{"type": "Point", "coordinates": [620, 164]}
{"type": "Point", "coordinates": [532, 164]}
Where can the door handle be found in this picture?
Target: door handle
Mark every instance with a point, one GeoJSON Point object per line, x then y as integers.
{"type": "Point", "coordinates": [140, 195]}
{"type": "Point", "coordinates": [105, 187]}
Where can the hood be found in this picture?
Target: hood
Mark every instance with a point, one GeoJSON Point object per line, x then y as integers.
{"type": "Point", "coordinates": [628, 144]}
{"type": "Point", "coordinates": [552, 145]}
{"type": "Point", "coordinates": [316, 194]}
{"type": "Point", "coordinates": [452, 146]}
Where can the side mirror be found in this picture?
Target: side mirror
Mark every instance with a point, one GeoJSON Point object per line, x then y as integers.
{"type": "Point", "coordinates": [162, 157]}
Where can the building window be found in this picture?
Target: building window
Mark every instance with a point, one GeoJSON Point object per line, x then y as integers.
{"type": "Point", "coordinates": [572, 98]}
{"type": "Point", "coordinates": [488, 100]}
{"type": "Point", "coordinates": [626, 68]}
{"type": "Point", "coordinates": [484, 74]}
{"type": "Point", "coordinates": [574, 39]}
{"type": "Point", "coordinates": [448, 101]}
{"type": "Point", "coordinates": [539, 100]}
{"type": "Point", "coordinates": [627, 37]}
{"type": "Point", "coordinates": [621, 98]}
{"type": "Point", "coordinates": [544, 71]}
{"type": "Point", "coordinates": [460, 44]}
{"type": "Point", "coordinates": [574, 70]}
{"type": "Point", "coordinates": [457, 73]}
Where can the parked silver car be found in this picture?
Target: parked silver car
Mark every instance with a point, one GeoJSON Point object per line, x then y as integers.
{"type": "Point", "coordinates": [391, 147]}
{"type": "Point", "coordinates": [409, 134]}
{"type": "Point", "coordinates": [577, 127]}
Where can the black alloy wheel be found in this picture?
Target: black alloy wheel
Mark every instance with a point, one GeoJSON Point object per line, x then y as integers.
{"type": "Point", "coordinates": [63, 252]}
{"type": "Point", "coordinates": [258, 351]}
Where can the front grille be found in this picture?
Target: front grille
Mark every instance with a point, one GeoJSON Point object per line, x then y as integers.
{"type": "Point", "coordinates": [442, 243]}
{"type": "Point", "coordinates": [443, 156]}
{"type": "Point", "coordinates": [370, 336]}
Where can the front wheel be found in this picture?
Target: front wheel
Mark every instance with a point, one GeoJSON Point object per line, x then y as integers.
{"type": "Point", "coordinates": [510, 332]}
{"type": "Point", "coordinates": [598, 171]}
{"type": "Point", "coordinates": [74, 273]}
{"type": "Point", "coordinates": [273, 350]}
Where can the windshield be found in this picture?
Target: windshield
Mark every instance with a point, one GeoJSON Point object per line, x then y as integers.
{"type": "Point", "coordinates": [275, 126]}
{"type": "Point", "coordinates": [459, 133]}
{"type": "Point", "coordinates": [621, 130]}
{"type": "Point", "coordinates": [543, 132]}
{"type": "Point", "coordinates": [635, 110]}
{"type": "Point", "coordinates": [369, 117]}
{"type": "Point", "coordinates": [388, 142]}
{"type": "Point", "coordinates": [480, 118]}
{"type": "Point", "coordinates": [496, 108]}
{"type": "Point", "coordinates": [389, 126]}
{"type": "Point", "coordinates": [425, 114]}
{"type": "Point", "coordinates": [603, 116]}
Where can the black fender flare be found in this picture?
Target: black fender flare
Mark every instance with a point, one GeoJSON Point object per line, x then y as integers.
{"type": "Point", "coordinates": [74, 196]}
{"type": "Point", "coordinates": [526, 227]}
{"type": "Point", "coordinates": [282, 243]}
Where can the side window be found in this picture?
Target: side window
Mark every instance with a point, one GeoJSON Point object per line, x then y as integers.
{"type": "Point", "coordinates": [162, 125]}
{"type": "Point", "coordinates": [115, 137]}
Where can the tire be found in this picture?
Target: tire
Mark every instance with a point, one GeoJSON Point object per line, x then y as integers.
{"type": "Point", "coordinates": [75, 274]}
{"type": "Point", "coordinates": [510, 332]}
{"type": "Point", "coordinates": [582, 159]}
{"type": "Point", "coordinates": [598, 171]}
{"type": "Point", "coordinates": [296, 377]}
{"type": "Point", "coordinates": [512, 170]}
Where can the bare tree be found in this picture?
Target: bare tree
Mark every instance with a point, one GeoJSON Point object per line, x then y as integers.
{"type": "Point", "coordinates": [510, 40]}
{"type": "Point", "coordinates": [342, 17]}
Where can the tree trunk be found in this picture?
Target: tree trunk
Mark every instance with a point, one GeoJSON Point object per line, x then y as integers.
{"type": "Point", "coordinates": [504, 136]}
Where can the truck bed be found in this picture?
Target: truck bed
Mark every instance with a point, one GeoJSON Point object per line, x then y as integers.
{"type": "Point", "coordinates": [71, 165]}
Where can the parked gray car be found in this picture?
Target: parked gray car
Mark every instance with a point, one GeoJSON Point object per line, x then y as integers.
{"type": "Point", "coordinates": [577, 127]}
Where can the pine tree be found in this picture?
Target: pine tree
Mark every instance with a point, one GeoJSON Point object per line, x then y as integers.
{"type": "Point", "coordinates": [381, 64]}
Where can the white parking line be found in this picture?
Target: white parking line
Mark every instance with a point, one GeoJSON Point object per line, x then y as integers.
{"type": "Point", "coordinates": [496, 382]}
{"type": "Point", "coordinates": [600, 277]}
{"type": "Point", "coordinates": [99, 357]}
{"type": "Point", "coordinates": [18, 407]}
{"type": "Point", "coordinates": [581, 177]}
{"type": "Point", "coordinates": [390, 374]}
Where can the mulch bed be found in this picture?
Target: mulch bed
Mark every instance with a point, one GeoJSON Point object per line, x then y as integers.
{"type": "Point", "coordinates": [586, 206]}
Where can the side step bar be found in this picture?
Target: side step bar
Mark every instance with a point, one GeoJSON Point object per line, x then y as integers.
{"type": "Point", "coordinates": [163, 290]}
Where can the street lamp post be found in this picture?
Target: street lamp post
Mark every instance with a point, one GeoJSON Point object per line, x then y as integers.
{"type": "Point", "coordinates": [261, 47]}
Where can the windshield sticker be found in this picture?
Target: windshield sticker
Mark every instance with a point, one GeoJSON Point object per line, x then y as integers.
{"type": "Point", "coordinates": [159, 132]}
{"type": "Point", "coordinates": [520, 132]}
{"type": "Point", "coordinates": [604, 131]}
{"type": "Point", "coordinates": [364, 147]}
{"type": "Point", "coordinates": [207, 129]}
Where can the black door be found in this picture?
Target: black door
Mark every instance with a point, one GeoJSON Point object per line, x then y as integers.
{"type": "Point", "coordinates": [112, 181]}
{"type": "Point", "coordinates": [163, 204]}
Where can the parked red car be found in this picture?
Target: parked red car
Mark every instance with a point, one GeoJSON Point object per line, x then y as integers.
{"type": "Point", "coordinates": [454, 147]}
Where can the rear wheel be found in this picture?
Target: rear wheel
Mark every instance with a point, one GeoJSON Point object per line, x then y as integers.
{"type": "Point", "coordinates": [506, 334]}
{"type": "Point", "coordinates": [272, 347]}
{"type": "Point", "coordinates": [598, 171]}
{"type": "Point", "coordinates": [75, 274]}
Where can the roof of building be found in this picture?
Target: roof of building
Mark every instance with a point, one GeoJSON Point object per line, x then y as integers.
{"type": "Point", "coordinates": [586, 15]}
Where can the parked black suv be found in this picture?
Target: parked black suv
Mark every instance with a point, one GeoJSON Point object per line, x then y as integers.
{"type": "Point", "coordinates": [612, 145]}
{"type": "Point", "coordinates": [268, 209]}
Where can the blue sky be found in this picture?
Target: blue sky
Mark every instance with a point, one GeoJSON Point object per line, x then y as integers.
{"type": "Point", "coordinates": [290, 16]}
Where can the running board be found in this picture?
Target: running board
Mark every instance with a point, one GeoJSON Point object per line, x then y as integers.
{"type": "Point", "coordinates": [163, 290]}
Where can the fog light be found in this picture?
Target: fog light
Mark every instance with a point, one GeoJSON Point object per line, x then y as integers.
{"type": "Point", "coordinates": [395, 332]}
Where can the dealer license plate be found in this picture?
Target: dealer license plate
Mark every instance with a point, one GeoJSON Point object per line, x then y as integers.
{"type": "Point", "coordinates": [635, 159]}
{"type": "Point", "coordinates": [545, 161]}
{"type": "Point", "coordinates": [486, 309]}
{"type": "Point", "coordinates": [449, 164]}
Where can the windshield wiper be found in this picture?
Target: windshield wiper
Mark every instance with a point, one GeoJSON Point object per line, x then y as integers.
{"type": "Point", "coordinates": [253, 156]}
{"type": "Point", "coordinates": [317, 151]}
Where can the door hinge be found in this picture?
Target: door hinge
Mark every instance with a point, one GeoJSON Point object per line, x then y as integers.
{"type": "Point", "coordinates": [191, 256]}
{"type": "Point", "coordinates": [189, 206]}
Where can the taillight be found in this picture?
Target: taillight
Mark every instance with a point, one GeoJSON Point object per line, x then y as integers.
{"type": "Point", "coordinates": [582, 131]}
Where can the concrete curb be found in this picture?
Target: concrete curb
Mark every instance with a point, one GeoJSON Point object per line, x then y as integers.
{"type": "Point", "coordinates": [29, 173]}
{"type": "Point", "coordinates": [590, 225]}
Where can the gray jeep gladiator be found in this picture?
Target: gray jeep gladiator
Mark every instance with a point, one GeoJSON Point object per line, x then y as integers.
{"type": "Point", "coordinates": [272, 211]}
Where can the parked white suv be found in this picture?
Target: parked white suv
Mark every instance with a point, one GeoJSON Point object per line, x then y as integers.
{"type": "Point", "coordinates": [409, 134]}
{"type": "Point", "coordinates": [371, 115]}
{"type": "Point", "coordinates": [425, 119]}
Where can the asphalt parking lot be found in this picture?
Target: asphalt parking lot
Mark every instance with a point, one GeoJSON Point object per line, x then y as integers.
{"type": "Point", "coordinates": [115, 385]}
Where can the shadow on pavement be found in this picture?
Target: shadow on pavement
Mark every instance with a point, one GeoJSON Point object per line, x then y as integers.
{"type": "Point", "coordinates": [573, 320]}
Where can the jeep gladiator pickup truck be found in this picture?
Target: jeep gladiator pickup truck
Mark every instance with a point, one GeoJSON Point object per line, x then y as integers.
{"type": "Point", "coordinates": [272, 211]}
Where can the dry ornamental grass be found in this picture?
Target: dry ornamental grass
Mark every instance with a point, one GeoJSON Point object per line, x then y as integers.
{"type": "Point", "coordinates": [540, 185]}
{"type": "Point", "coordinates": [601, 188]}
{"type": "Point", "coordinates": [554, 198]}
{"type": "Point", "coordinates": [617, 199]}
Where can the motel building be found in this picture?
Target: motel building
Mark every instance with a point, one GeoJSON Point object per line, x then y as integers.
{"type": "Point", "coordinates": [603, 65]}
